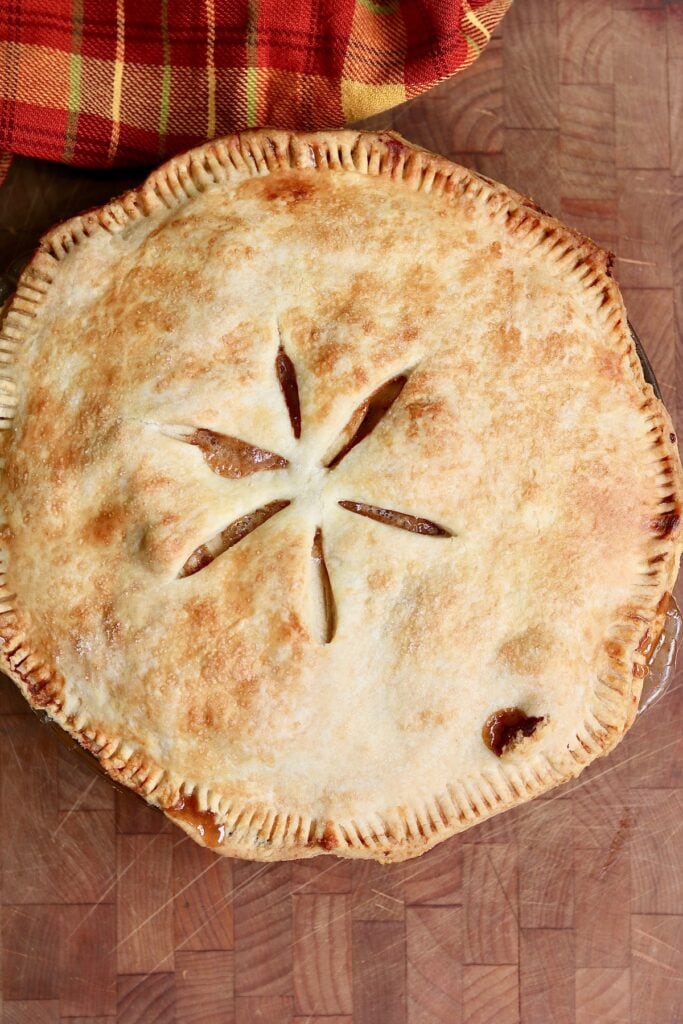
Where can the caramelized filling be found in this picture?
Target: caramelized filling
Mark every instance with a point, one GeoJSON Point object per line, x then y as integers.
{"type": "Point", "coordinates": [231, 535]}
{"type": "Point", "coordinates": [650, 638]}
{"type": "Point", "coordinates": [286, 374]}
{"type": "Point", "coordinates": [648, 642]}
{"type": "Point", "coordinates": [232, 458]}
{"type": "Point", "coordinates": [505, 726]}
{"type": "Point", "coordinates": [329, 611]}
{"type": "Point", "coordinates": [367, 416]}
{"type": "Point", "coordinates": [401, 520]}
{"type": "Point", "coordinates": [203, 822]}
{"type": "Point", "coordinates": [199, 559]}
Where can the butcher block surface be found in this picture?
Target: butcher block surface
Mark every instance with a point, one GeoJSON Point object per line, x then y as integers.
{"type": "Point", "coordinates": [565, 911]}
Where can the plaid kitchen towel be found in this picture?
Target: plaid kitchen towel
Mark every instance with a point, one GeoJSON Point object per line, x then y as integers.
{"type": "Point", "coordinates": [104, 82]}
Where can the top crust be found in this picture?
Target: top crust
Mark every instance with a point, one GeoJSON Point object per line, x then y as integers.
{"type": "Point", "coordinates": [523, 429]}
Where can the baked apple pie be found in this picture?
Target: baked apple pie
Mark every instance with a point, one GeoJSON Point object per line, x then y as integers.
{"type": "Point", "coordinates": [338, 515]}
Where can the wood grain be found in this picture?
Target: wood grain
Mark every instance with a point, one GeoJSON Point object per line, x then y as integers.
{"type": "Point", "coordinates": [585, 33]}
{"type": "Point", "coordinates": [202, 898]}
{"type": "Point", "coordinates": [263, 929]}
{"type": "Point", "coordinates": [262, 1009]}
{"type": "Point", "coordinates": [547, 976]}
{"type": "Point", "coordinates": [657, 980]}
{"type": "Point", "coordinates": [602, 994]}
{"type": "Point", "coordinates": [32, 1011]}
{"type": "Point", "coordinates": [642, 111]}
{"type": "Point", "coordinates": [144, 927]}
{"type": "Point", "coordinates": [145, 997]}
{"type": "Point", "coordinates": [645, 228]}
{"type": "Point", "coordinates": [205, 990]}
{"type": "Point", "coordinates": [569, 910]}
{"type": "Point", "coordinates": [602, 902]}
{"type": "Point", "coordinates": [492, 920]}
{"type": "Point", "coordinates": [87, 981]}
{"type": "Point", "coordinates": [323, 982]}
{"type": "Point", "coordinates": [379, 966]}
{"type": "Point", "coordinates": [532, 76]}
{"type": "Point", "coordinates": [490, 994]}
{"type": "Point", "coordinates": [435, 956]}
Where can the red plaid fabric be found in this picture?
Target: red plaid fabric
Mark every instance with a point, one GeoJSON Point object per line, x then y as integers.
{"type": "Point", "coordinates": [104, 82]}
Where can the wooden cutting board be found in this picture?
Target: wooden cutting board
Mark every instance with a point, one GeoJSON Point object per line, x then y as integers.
{"type": "Point", "coordinates": [567, 911]}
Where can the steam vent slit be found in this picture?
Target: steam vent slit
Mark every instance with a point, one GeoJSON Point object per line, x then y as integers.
{"type": "Point", "coordinates": [236, 531]}
{"type": "Point", "coordinates": [401, 520]}
{"type": "Point", "coordinates": [286, 375]}
{"type": "Point", "coordinates": [230, 457]}
{"type": "Point", "coordinates": [328, 611]}
{"type": "Point", "coordinates": [367, 416]}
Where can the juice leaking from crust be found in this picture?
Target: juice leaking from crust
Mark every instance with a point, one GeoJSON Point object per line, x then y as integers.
{"type": "Point", "coordinates": [202, 822]}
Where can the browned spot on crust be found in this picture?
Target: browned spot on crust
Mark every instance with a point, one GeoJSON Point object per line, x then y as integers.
{"type": "Point", "coordinates": [610, 364]}
{"type": "Point", "coordinates": [379, 580]}
{"type": "Point", "coordinates": [500, 292]}
{"type": "Point", "coordinates": [155, 483]}
{"type": "Point", "coordinates": [185, 368]}
{"type": "Point", "coordinates": [289, 629]}
{"type": "Point", "coordinates": [68, 444]}
{"type": "Point", "coordinates": [507, 340]}
{"type": "Point", "coordinates": [106, 525]}
{"type": "Point", "coordinates": [112, 626]}
{"type": "Point", "coordinates": [613, 648]}
{"type": "Point", "coordinates": [43, 692]}
{"type": "Point", "coordinates": [529, 488]}
{"type": "Point", "coordinates": [201, 612]}
{"type": "Point", "coordinates": [395, 147]}
{"type": "Point", "coordinates": [478, 265]}
{"type": "Point", "coordinates": [39, 400]}
{"type": "Point", "coordinates": [554, 345]}
{"type": "Point", "coordinates": [425, 408]}
{"type": "Point", "coordinates": [288, 188]}
{"type": "Point", "coordinates": [327, 356]}
{"type": "Point", "coordinates": [665, 524]}
{"type": "Point", "coordinates": [527, 652]}
{"type": "Point", "coordinates": [329, 838]}
{"type": "Point", "coordinates": [201, 718]}
{"type": "Point", "coordinates": [89, 743]}
{"type": "Point", "coordinates": [358, 374]}
{"type": "Point", "coordinates": [425, 719]}
{"type": "Point", "coordinates": [244, 691]}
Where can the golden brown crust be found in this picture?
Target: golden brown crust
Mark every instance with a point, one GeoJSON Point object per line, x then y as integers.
{"type": "Point", "coordinates": [525, 432]}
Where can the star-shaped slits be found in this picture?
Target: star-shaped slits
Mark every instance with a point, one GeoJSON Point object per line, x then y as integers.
{"type": "Point", "coordinates": [233, 458]}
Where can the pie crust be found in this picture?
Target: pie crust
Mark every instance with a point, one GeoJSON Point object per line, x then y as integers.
{"type": "Point", "coordinates": [200, 580]}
